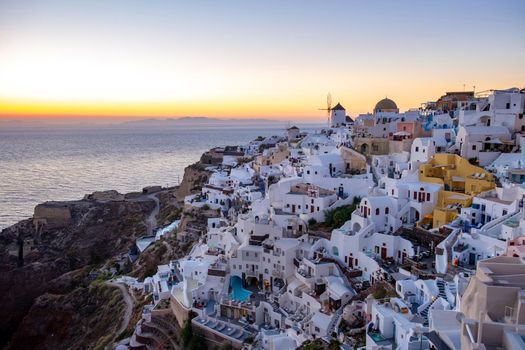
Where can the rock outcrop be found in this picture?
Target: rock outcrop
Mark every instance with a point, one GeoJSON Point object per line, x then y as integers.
{"type": "Point", "coordinates": [62, 237]}
{"type": "Point", "coordinates": [195, 176]}
{"type": "Point", "coordinates": [48, 296]}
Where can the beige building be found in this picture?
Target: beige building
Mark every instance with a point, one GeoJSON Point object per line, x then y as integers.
{"type": "Point", "coordinates": [355, 162]}
{"type": "Point", "coordinates": [371, 146]}
{"type": "Point", "coordinates": [271, 156]}
{"type": "Point", "coordinates": [493, 306]}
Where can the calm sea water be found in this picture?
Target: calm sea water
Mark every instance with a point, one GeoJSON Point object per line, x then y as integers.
{"type": "Point", "coordinates": [38, 165]}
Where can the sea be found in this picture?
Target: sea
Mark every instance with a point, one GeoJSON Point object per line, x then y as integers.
{"type": "Point", "coordinates": [45, 163]}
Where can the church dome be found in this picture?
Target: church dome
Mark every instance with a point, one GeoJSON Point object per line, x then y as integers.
{"type": "Point", "coordinates": [385, 104]}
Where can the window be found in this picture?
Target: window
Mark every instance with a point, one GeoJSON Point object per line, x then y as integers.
{"type": "Point", "coordinates": [387, 210]}
{"type": "Point", "coordinates": [308, 172]}
{"type": "Point", "coordinates": [417, 149]}
{"type": "Point", "coordinates": [428, 197]}
{"type": "Point", "coordinates": [473, 147]}
{"type": "Point", "coordinates": [377, 211]}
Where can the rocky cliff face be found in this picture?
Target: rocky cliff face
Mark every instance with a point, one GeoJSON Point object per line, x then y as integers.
{"type": "Point", "coordinates": [41, 255]}
{"type": "Point", "coordinates": [82, 319]}
{"type": "Point", "coordinates": [195, 176]}
{"type": "Point", "coordinates": [49, 295]}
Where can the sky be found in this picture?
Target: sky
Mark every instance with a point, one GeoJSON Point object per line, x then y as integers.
{"type": "Point", "coordinates": [246, 59]}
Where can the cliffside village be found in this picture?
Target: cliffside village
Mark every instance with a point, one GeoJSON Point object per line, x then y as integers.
{"type": "Point", "coordinates": [432, 256]}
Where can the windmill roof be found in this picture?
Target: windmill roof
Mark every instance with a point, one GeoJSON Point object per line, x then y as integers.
{"type": "Point", "coordinates": [338, 107]}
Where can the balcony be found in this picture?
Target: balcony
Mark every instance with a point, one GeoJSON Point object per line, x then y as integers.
{"type": "Point", "coordinates": [460, 247]}
{"type": "Point", "coordinates": [277, 273]}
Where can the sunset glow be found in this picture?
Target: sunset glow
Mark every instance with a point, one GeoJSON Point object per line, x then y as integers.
{"type": "Point", "coordinates": [274, 60]}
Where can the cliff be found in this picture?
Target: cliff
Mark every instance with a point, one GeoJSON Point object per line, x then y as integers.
{"type": "Point", "coordinates": [84, 318]}
{"type": "Point", "coordinates": [38, 256]}
{"type": "Point", "coordinates": [52, 293]}
{"type": "Point", "coordinates": [196, 175]}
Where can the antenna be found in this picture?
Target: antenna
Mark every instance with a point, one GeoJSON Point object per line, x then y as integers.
{"type": "Point", "coordinates": [328, 108]}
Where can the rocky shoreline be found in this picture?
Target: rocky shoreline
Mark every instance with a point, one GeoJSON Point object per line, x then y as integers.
{"type": "Point", "coordinates": [50, 263]}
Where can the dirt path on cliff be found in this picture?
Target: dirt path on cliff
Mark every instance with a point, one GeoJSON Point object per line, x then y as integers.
{"type": "Point", "coordinates": [129, 307]}
{"type": "Point", "coordinates": [151, 221]}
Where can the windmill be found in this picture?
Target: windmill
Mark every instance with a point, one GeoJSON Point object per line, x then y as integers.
{"type": "Point", "coordinates": [328, 108]}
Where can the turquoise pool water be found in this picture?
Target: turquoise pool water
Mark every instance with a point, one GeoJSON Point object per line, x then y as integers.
{"type": "Point", "coordinates": [238, 292]}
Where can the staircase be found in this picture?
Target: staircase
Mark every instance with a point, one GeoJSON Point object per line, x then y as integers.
{"type": "Point", "coordinates": [424, 312]}
{"type": "Point", "coordinates": [334, 322]}
{"type": "Point", "coordinates": [441, 286]}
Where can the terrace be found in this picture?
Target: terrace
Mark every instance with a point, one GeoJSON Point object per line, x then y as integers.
{"type": "Point", "coordinates": [229, 329]}
{"type": "Point", "coordinates": [379, 340]}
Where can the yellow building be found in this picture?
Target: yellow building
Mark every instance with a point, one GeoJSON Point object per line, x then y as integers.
{"type": "Point", "coordinates": [461, 182]}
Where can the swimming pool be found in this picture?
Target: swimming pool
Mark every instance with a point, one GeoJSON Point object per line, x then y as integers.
{"type": "Point", "coordinates": [238, 292]}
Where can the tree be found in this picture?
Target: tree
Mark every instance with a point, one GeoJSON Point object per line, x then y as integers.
{"type": "Point", "coordinates": [196, 343]}
{"type": "Point", "coordinates": [186, 333]}
{"type": "Point", "coordinates": [226, 346]}
{"type": "Point", "coordinates": [334, 344]}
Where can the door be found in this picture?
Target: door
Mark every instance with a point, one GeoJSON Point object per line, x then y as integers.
{"type": "Point", "coordinates": [472, 259]}
{"type": "Point", "coordinates": [293, 208]}
{"type": "Point", "coordinates": [351, 262]}
{"type": "Point", "coordinates": [383, 253]}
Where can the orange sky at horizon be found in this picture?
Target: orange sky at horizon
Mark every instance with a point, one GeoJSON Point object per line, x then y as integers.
{"type": "Point", "coordinates": [273, 60]}
{"type": "Point", "coordinates": [293, 108]}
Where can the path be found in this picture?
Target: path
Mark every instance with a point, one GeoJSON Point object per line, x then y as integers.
{"type": "Point", "coordinates": [129, 306]}
{"type": "Point", "coordinates": [151, 221]}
